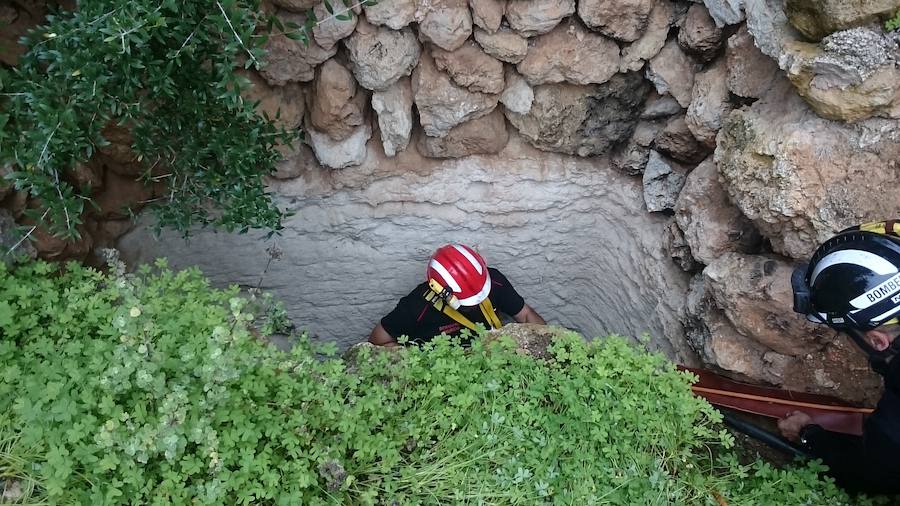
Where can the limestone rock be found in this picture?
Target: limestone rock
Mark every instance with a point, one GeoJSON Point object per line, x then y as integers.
{"type": "Point", "coordinates": [534, 17]}
{"type": "Point", "coordinates": [518, 95]}
{"type": "Point", "coordinates": [394, 14]}
{"type": "Point", "coordinates": [584, 120]}
{"type": "Point", "coordinates": [122, 196]}
{"type": "Point", "coordinates": [296, 5]}
{"type": "Point", "coordinates": [712, 225]}
{"type": "Point", "coordinates": [488, 14]}
{"type": "Point", "coordinates": [10, 237]}
{"type": "Point", "coordinates": [709, 104]}
{"type": "Point", "coordinates": [469, 66]}
{"type": "Point", "coordinates": [441, 103]}
{"type": "Point", "coordinates": [337, 107]}
{"type": "Point", "coordinates": [84, 175]}
{"type": "Point", "coordinates": [291, 61]}
{"type": "Point", "coordinates": [504, 44]}
{"type": "Point", "coordinates": [394, 109]}
{"type": "Point", "coordinates": [286, 103]}
{"type": "Point", "coordinates": [801, 178]}
{"type": "Point", "coordinates": [699, 35]}
{"type": "Point", "coordinates": [677, 141]}
{"type": "Point", "coordinates": [570, 53]}
{"type": "Point", "coordinates": [679, 249]}
{"type": "Point", "coordinates": [380, 56]}
{"type": "Point", "coordinates": [329, 30]}
{"type": "Point", "coordinates": [483, 135]}
{"type": "Point", "coordinates": [660, 106]}
{"type": "Point", "coordinates": [672, 72]}
{"type": "Point", "coordinates": [298, 161]}
{"type": "Point", "coordinates": [340, 154]}
{"type": "Point", "coordinates": [652, 41]}
{"type": "Point", "coordinates": [663, 179]}
{"type": "Point", "coordinates": [445, 23]}
{"type": "Point", "coordinates": [118, 154]}
{"type": "Point", "coordinates": [631, 157]}
{"type": "Point", "coordinates": [623, 20]}
{"type": "Point", "coordinates": [725, 12]}
{"type": "Point", "coordinates": [750, 72]}
{"type": "Point", "coordinates": [818, 18]}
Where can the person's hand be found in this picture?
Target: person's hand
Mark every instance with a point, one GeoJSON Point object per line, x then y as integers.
{"type": "Point", "coordinates": [791, 425]}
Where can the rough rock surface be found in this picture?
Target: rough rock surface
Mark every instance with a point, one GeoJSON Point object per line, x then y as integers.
{"type": "Point", "coordinates": [291, 61]}
{"type": "Point", "coordinates": [380, 56]}
{"type": "Point", "coordinates": [469, 66]}
{"type": "Point", "coordinates": [654, 38]}
{"type": "Point", "coordinates": [712, 225]}
{"type": "Point", "coordinates": [518, 95]}
{"type": "Point", "coordinates": [658, 106]}
{"type": "Point", "coordinates": [298, 161]}
{"type": "Point", "coordinates": [663, 179]}
{"type": "Point", "coordinates": [296, 5]}
{"type": "Point", "coordinates": [817, 18]}
{"type": "Point", "coordinates": [483, 135]}
{"type": "Point", "coordinates": [394, 14]}
{"type": "Point", "coordinates": [534, 17]}
{"type": "Point", "coordinates": [441, 103]}
{"type": "Point", "coordinates": [11, 237]}
{"type": "Point", "coordinates": [725, 12]}
{"type": "Point", "coordinates": [583, 120]}
{"type": "Point", "coordinates": [394, 109]}
{"type": "Point", "coordinates": [801, 178]}
{"type": "Point", "coordinates": [569, 53]}
{"type": "Point", "coordinates": [445, 23]}
{"type": "Point", "coordinates": [624, 20]}
{"type": "Point", "coordinates": [504, 44]}
{"type": "Point", "coordinates": [679, 249]}
{"type": "Point", "coordinates": [672, 72]}
{"type": "Point", "coordinates": [709, 103]}
{"type": "Point", "coordinates": [329, 30]}
{"type": "Point", "coordinates": [631, 157]}
{"type": "Point", "coordinates": [337, 107]}
{"type": "Point", "coordinates": [677, 141]}
{"type": "Point", "coordinates": [488, 14]}
{"type": "Point", "coordinates": [750, 72]}
{"type": "Point", "coordinates": [287, 103]}
{"type": "Point", "coordinates": [364, 234]}
{"type": "Point", "coordinates": [340, 154]}
{"type": "Point", "coordinates": [699, 34]}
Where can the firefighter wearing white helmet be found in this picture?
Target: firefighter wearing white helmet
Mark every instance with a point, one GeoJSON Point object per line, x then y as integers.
{"type": "Point", "coordinates": [852, 284]}
{"type": "Point", "coordinates": [460, 291]}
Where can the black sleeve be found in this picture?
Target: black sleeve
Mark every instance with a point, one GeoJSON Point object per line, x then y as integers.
{"type": "Point", "coordinates": [864, 463]}
{"type": "Point", "coordinates": [402, 319]}
{"type": "Point", "coordinates": [503, 296]}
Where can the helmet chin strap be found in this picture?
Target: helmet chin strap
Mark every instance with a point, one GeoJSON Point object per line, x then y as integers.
{"type": "Point", "coordinates": [878, 360]}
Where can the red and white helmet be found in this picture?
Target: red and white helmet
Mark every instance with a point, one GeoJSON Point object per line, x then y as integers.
{"type": "Point", "coordinates": [460, 269]}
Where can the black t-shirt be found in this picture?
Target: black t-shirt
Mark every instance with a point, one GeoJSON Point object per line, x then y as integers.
{"type": "Point", "coordinates": [418, 319]}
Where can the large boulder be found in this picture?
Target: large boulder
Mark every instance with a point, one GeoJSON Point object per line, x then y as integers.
{"type": "Point", "coordinates": [394, 14]}
{"type": "Point", "coordinates": [672, 72]}
{"type": "Point", "coordinates": [340, 154]}
{"type": "Point", "coordinates": [750, 72]}
{"type": "Point", "coordinates": [445, 23]}
{"type": "Point", "coordinates": [653, 39]}
{"type": "Point", "coordinates": [504, 44]}
{"type": "Point", "coordinates": [534, 17]}
{"type": "Point", "coordinates": [582, 119]}
{"type": "Point", "coordinates": [572, 54]}
{"type": "Point", "coordinates": [801, 178]}
{"type": "Point", "coordinates": [337, 107]}
{"type": "Point", "coordinates": [394, 109]}
{"type": "Point", "coordinates": [712, 225]}
{"type": "Point", "coordinates": [624, 20]}
{"type": "Point", "coordinates": [380, 56]}
{"type": "Point", "coordinates": [469, 66]}
{"type": "Point", "coordinates": [488, 14]}
{"type": "Point", "coordinates": [709, 103]}
{"type": "Point", "coordinates": [288, 60]}
{"type": "Point", "coordinates": [484, 135]}
{"type": "Point", "coordinates": [330, 29]}
{"type": "Point", "coordinates": [818, 18]}
{"type": "Point", "coordinates": [677, 141]}
{"type": "Point", "coordinates": [442, 104]}
{"type": "Point", "coordinates": [699, 34]}
{"type": "Point", "coordinates": [663, 179]}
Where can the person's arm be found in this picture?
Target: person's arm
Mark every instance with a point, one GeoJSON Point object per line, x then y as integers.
{"type": "Point", "coordinates": [528, 315]}
{"type": "Point", "coordinates": [380, 337]}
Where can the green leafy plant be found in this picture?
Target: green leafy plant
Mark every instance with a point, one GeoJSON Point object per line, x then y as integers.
{"type": "Point", "coordinates": [150, 388]}
{"type": "Point", "coordinates": [893, 23]}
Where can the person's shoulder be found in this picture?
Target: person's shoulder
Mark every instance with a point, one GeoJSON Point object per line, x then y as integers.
{"type": "Point", "coordinates": [415, 294]}
{"type": "Point", "coordinates": [498, 277]}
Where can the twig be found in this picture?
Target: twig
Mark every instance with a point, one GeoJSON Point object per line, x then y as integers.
{"type": "Point", "coordinates": [228, 20]}
{"type": "Point", "coordinates": [27, 235]}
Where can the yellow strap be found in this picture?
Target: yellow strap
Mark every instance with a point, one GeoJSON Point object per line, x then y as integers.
{"type": "Point", "coordinates": [880, 227]}
{"type": "Point", "coordinates": [487, 309]}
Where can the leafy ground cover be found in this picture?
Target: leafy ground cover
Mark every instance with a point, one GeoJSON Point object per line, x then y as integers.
{"type": "Point", "coordinates": [152, 388]}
